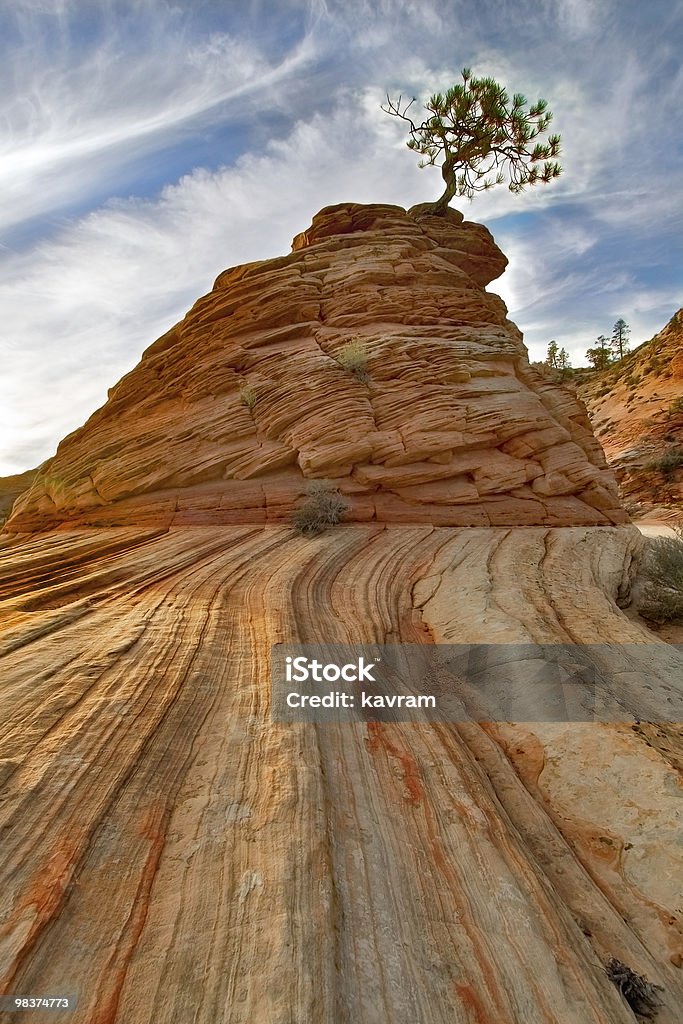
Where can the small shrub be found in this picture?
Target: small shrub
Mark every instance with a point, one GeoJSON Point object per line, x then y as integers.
{"type": "Point", "coordinates": [639, 993]}
{"type": "Point", "coordinates": [248, 396]}
{"type": "Point", "coordinates": [668, 463]}
{"type": "Point", "coordinates": [662, 594]}
{"type": "Point", "coordinates": [675, 407]}
{"type": "Point", "coordinates": [353, 357]}
{"type": "Point", "coordinates": [323, 506]}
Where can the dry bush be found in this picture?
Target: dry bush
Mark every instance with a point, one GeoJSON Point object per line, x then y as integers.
{"type": "Point", "coordinates": [639, 993]}
{"type": "Point", "coordinates": [662, 595]}
{"type": "Point", "coordinates": [353, 357]}
{"type": "Point", "coordinates": [248, 396]}
{"type": "Point", "coordinates": [323, 506]}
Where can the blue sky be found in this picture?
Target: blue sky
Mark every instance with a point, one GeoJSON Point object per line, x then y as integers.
{"type": "Point", "coordinates": [148, 144]}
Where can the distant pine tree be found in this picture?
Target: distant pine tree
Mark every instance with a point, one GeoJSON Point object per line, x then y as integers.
{"type": "Point", "coordinates": [600, 355]}
{"type": "Point", "coordinates": [620, 333]}
{"type": "Point", "coordinates": [564, 365]}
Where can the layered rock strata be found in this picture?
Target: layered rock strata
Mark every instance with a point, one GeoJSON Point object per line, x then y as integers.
{"type": "Point", "coordinates": [230, 414]}
{"type": "Point", "coordinates": [170, 854]}
{"type": "Point", "coordinates": [636, 408]}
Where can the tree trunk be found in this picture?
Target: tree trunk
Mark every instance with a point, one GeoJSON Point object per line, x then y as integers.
{"type": "Point", "coordinates": [448, 174]}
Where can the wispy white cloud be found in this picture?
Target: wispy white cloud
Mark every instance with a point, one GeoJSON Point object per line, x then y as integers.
{"type": "Point", "coordinates": [77, 117]}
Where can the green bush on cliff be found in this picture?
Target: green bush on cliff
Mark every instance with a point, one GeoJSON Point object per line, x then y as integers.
{"type": "Point", "coordinates": [323, 506]}
{"type": "Point", "coordinates": [667, 463]}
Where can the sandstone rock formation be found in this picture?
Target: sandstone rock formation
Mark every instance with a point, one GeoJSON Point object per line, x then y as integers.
{"type": "Point", "coordinates": [169, 854]}
{"type": "Point", "coordinates": [636, 408]}
{"type": "Point", "coordinates": [10, 489]}
{"type": "Point", "coordinates": [231, 412]}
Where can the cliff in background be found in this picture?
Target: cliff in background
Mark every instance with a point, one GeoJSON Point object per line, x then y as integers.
{"type": "Point", "coordinates": [10, 489]}
{"type": "Point", "coordinates": [636, 408]}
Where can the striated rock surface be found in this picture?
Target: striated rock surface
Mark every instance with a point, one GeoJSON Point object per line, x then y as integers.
{"type": "Point", "coordinates": [636, 408]}
{"type": "Point", "coordinates": [10, 489]}
{"type": "Point", "coordinates": [231, 412]}
{"type": "Point", "coordinates": [169, 854]}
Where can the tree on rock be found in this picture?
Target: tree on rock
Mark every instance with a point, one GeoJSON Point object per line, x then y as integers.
{"type": "Point", "coordinates": [564, 365]}
{"type": "Point", "coordinates": [552, 355]}
{"type": "Point", "coordinates": [600, 356]}
{"type": "Point", "coordinates": [620, 333]}
{"type": "Point", "coordinates": [557, 359]}
{"type": "Point", "coordinates": [483, 137]}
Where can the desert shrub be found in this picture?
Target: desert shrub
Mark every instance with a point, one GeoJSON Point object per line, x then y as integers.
{"type": "Point", "coordinates": [640, 994]}
{"type": "Point", "coordinates": [248, 396]}
{"type": "Point", "coordinates": [668, 462]}
{"type": "Point", "coordinates": [323, 506]}
{"type": "Point", "coordinates": [353, 357]}
{"type": "Point", "coordinates": [662, 594]}
{"type": "Point", "coordinates": [675, 407]}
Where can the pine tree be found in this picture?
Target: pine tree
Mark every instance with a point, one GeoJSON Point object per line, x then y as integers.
{"type": "Point", "coordinates": [600, 356]}
{"type": "Point", "coordinates": [619, 342]}
{"type": "Point", "coordinates": [478, 131]}
{"type": "Point", "coordinates": [552, 355]}
{"type": "Point", "coordinates": [563, 364]}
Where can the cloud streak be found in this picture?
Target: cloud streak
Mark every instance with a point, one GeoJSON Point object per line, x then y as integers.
{"type": "Point", "coordinates": [78, 117]}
